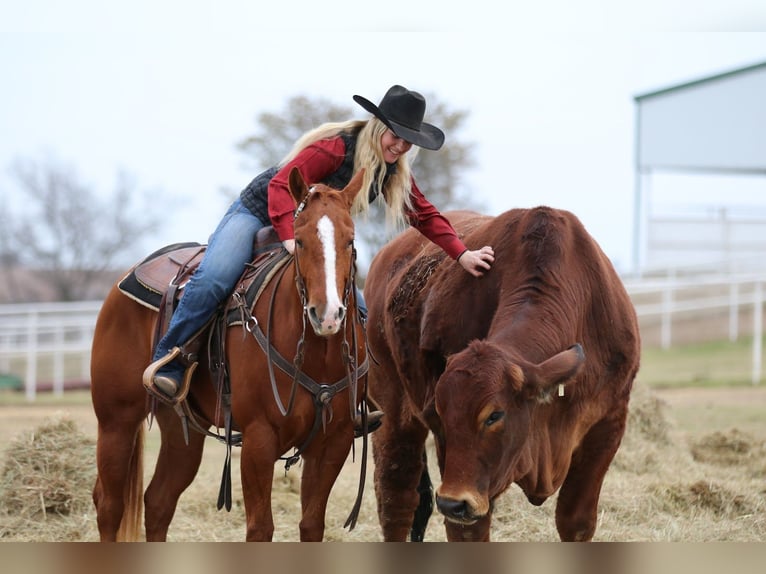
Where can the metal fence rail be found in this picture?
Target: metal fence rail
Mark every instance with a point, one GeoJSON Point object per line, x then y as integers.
{"type": "Point", "coordinates": [49, 344]}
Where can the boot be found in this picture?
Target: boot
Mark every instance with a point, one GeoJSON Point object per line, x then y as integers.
{"type": "Point", "coordinates": [165, 374]}
{"type": "Point", "coordinates": [374, 420]}
{"type": "Point", "coordinates": [168, 382]}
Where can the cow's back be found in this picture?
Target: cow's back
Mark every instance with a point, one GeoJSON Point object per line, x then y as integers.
{"type": "Point", "coordinates": [424, 306]}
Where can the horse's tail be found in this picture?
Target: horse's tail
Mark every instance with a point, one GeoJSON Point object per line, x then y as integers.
{"type": "Point", "coordinates": [130, 527]}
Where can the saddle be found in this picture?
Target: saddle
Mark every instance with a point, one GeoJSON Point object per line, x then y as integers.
{"type": "Point", "coordinates": [173, 265]}
{"type": "Point", "coordinates": [158, 281]}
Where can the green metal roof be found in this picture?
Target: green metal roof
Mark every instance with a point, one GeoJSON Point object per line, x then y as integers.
{"type": "Point", "coordinates": [700, 81]}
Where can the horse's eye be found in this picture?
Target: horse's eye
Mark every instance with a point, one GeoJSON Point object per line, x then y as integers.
{"type": "Point", "coordinates": [493, 418]}
{"type": "Point", "coordinates": [299, 243]}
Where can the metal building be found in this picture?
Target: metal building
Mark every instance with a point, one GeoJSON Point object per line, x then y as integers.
{"type": "Point", "coordinates": [708, 137]}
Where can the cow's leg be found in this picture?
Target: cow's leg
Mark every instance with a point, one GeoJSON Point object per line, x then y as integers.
{"type": "Point", "coordinates": [320, 470]}
{"type": "Point", "coordinates": [398, 447]}
{"type": "Point", "coordinates": [577, 504]}
{"type": "Point", "coordinates": [259, 446]}
{"type": "Point", "coordinates": [177, 465]}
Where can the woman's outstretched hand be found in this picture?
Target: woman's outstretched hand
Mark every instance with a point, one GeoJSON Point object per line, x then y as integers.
{"type": "Point", "coordinates": [477, 262]}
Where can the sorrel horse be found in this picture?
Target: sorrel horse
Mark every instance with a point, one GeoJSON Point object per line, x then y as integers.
{"type": "Point", "coordinates": [319, 289]}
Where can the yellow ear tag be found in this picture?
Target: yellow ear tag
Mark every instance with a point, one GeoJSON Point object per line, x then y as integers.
{"type": "Point", "coordinates": [561, 390]}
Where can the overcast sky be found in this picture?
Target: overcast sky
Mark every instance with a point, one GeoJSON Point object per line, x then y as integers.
{"type": "Point", "coordinates": [165, 89]}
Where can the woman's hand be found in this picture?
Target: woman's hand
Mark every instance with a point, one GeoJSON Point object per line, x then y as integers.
{"type": "Point", "coordinates": [289, 244]}
{"type": "Point", "coordinates": [477, 262]}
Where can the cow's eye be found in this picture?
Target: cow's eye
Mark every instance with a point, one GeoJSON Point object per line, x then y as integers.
{"type": "Point", "coordinates": [493, 418]}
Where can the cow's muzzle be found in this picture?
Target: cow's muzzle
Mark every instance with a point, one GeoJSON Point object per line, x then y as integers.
{"type": "Point", "coordinates": [459, 511]}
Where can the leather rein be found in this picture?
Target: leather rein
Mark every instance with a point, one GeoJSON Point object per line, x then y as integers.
{"type": "Point", "coordinates": [322, 393]}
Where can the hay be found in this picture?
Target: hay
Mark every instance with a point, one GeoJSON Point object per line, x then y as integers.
{"type": "Point", "coordinates": [647, 440]}
{"type": "Point", "coordinates": [733, 447]}
{"type": "Point", "coordinates": [688, 499]}
{"type": "Point", "coordinates": [47, 473]}
{"type": "Point", "coordinates": [648, 416]}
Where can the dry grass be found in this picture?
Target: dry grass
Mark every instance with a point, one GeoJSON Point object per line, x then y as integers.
{"type": "Point", "coordinates": [46, 480]}
{"type": "Point", "coordinates": [665, 484]}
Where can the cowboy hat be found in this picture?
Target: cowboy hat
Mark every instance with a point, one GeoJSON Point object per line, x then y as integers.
{"type": "Point", "coordinates": [402, 110]}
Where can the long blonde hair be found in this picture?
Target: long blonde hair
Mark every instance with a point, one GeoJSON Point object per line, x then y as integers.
{"type": "Point", "coordinates": [369, 155]}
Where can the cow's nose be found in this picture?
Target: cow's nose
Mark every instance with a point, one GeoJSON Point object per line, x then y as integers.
{"type": "Point", "coordinates": [452, 508]}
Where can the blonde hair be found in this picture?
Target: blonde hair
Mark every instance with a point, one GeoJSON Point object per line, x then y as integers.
{"type": "Point", "coordinates": [369, 155]}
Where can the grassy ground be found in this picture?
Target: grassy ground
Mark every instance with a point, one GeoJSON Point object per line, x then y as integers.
{"type": "Point", "coordinates": [714, 364]}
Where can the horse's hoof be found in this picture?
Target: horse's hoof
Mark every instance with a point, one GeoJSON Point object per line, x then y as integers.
{"type": "Point", "coordinates": [374, 420]}
{"type": "Point", "coordinates": [166, 384]}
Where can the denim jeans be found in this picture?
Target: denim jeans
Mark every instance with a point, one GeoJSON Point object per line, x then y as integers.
{"type": "Point", "coordinates": [229, 249]}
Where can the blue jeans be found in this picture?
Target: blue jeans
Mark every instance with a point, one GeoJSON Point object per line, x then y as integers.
{"type": "Point", "coordinates": [229, 249]}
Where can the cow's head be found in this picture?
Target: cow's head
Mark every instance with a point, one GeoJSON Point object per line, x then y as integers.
{"type": "Point", "coordinates": [484, 401]}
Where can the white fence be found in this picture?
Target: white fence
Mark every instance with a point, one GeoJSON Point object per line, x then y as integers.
{"type": "Point", "coordinates": [49, 344]}
{"type": "Point", "coordinates": [664, 304]}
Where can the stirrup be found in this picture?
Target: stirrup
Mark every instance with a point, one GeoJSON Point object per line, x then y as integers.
{"type": "Point", "coordinates": [185, 383]}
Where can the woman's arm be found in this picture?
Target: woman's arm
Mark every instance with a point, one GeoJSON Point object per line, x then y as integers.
{"type": "Point", "coordinates": [431, 223]}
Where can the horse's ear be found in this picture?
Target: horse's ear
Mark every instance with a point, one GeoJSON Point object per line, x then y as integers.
{"type": "Point", "coordinates": [353, 187]}
{"type": "Point", "coordinates": [297, 185]}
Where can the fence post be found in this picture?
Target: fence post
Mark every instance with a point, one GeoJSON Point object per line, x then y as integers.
{"type": "Point", "coordinates": [757, 331]}
{"type": "Point", "coordinates": [733, 312]}
{"type": "Point", "coordinates": [58, 360]}
{"type": "Point", "coordinates": [667, 313]}
{"type": "Point", "coordinates": [5, 346]}
{"type": "Point", "coordinates": [86, 337]}
{"type": "Point", "coordinates": [30, 384]}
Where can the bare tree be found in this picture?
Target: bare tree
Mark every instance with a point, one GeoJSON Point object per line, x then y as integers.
{"type": "Point", "coordinates": [438, 174]}
{"type": "Point", "coordinates": [67, 234]}
{"type": "Point", "coordinates": [277, 132]}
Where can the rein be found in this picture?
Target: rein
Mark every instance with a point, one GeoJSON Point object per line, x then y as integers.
{"type": "Point", "coordinates": [322, 393]}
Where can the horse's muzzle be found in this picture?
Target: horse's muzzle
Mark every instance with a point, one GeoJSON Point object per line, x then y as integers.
{"type": "Point", "coordinates": [329, 324]}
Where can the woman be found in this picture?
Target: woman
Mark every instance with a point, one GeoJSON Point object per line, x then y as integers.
{"type": "Point", "coordinates": [330, 154]}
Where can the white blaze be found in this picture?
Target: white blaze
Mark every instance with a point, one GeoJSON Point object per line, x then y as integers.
{"type": "Point", "coordinates": [326, 232]}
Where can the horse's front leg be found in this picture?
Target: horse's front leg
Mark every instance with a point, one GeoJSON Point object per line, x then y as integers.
{"type": "Point", "coordinates": [321, 467]}
{"type": "Point", "coordinates": [259, 452]}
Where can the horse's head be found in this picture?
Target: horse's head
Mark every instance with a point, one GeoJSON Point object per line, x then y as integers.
{"type": "Point", "coordinates": [324, 250]}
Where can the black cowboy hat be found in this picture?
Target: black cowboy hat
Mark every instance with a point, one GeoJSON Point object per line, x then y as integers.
{"type": "Point", "coordinates": [402, 110]}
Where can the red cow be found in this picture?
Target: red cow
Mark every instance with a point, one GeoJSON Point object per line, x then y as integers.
{"type": "Point", "coordinates": [523, 375]}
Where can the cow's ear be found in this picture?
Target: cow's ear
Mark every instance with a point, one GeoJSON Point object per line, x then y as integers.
{"type": "Point", "coordinates": [542, 379]}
